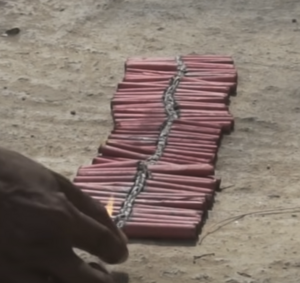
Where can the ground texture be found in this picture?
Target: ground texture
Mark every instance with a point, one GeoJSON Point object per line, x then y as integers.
{"type": "Point", "coordinates": [69, 57]}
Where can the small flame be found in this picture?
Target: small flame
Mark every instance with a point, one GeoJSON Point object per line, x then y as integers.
{"type": "Point", "coordinates": [110, 206]}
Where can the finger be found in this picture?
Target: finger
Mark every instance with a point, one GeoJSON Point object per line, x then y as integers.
{"type": "Point", "coordinates": [85, 203]}
{"type": "Point", "coordinates": [35, 218]}
{"type": "Point", "coordinates": [68, 268]}
{"type": "Point", "coordinates": [58, 262]}
{"type": "Point", "coordinates": [98, 240]}
{"type": "Point", "coordinates": [95, 210]}
{"type": "Point", "coordinates": [92, 260]}
{"type": "Point", "coordinates": [63, 224]}
{"type": "Point", "coordinates": [15, 273]}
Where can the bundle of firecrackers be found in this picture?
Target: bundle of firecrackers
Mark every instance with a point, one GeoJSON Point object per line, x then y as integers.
{"type": "Point", "coordinates": [155, 172]}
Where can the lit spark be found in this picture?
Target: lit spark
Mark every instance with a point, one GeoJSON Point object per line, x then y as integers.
{"type": "Point", "coordinates": [110, 206]}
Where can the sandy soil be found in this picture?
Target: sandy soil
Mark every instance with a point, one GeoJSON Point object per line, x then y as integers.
{"type": "Point", "coordinates": [70, 55]}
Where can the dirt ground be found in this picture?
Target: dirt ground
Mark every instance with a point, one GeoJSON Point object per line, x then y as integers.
{"type": "Point", "coordinates": [70, 56]}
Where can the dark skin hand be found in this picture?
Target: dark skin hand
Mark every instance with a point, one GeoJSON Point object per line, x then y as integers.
{"type": "Point", "coordinates": [42, 217]}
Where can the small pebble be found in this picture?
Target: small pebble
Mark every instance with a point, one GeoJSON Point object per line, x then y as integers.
{"type": "Point", "coordinates": [244, 274]}
{"type": "Point", "coordinates": [274, 196]}
{"type": "Point", "coordinates": [294, 21]}
{"type": "Point", "coordinates": [73, 112]}
{"type": "Point", "coordinates": [171, 272]}
{"type": "Point", "coordinates": [11, 32]}
{"type": "Point", "coordinates": [200, 277]}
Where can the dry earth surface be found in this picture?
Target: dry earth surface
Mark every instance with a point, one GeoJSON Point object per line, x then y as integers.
{"type": "Point", "coordinates": [70, 56]}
